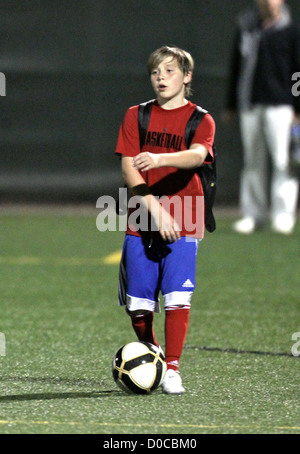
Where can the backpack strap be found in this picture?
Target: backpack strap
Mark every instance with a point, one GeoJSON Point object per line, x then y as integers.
{"type": "Point", "coordinates": [207, 173]}
{"type": "Point", "coordinates": [193, 124]}
{"type": "Point", "coordinates": [144, 113]}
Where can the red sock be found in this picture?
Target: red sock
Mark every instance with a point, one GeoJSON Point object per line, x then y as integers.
{"type": "Point", "coordinates": [176, 325]}
{"type": "Point", "coordinates": [143, 327]}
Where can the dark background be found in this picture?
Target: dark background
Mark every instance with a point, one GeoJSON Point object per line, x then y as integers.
{"type": "Point", "coordinates": [73, 68]}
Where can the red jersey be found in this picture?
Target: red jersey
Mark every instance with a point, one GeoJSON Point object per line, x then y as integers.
{"type": "Point", "coordinates": [165, 134]}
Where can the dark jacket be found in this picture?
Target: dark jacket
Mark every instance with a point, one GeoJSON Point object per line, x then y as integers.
{"type": "Point", "coordinates": [263, 62]}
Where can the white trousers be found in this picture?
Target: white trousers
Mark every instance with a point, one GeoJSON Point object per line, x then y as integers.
{"type": "Point", "coordinates": [267, 129]}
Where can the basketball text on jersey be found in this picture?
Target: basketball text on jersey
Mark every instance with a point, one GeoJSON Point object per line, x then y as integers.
{"type": "Point", "coordinates": [163, 139]}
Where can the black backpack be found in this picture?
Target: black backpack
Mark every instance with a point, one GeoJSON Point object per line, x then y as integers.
{"type": "Point", "coordinates": [207, 172]}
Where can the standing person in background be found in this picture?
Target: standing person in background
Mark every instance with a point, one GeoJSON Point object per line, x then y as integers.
{"type": "Point", "coordinates": [266, 54]}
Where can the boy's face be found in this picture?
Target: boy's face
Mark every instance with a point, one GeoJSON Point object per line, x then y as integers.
{"type": "Point", "coordinates": [168, 80]}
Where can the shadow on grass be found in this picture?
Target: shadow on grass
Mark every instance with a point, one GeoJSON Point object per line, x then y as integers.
{"type": "Point", "coordinates": [56, 396]}
{"type": "Point", "coordinates": [240, 352]}
{"type": "Point", "coordinates": [53, 380]}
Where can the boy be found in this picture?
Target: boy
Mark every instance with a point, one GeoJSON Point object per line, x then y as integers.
{"type": "Point", "coordinates": [162, 256]}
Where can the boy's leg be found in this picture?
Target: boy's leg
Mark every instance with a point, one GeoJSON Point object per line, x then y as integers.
{"type": "Point", "coordinates": [176, 326]}
{"type": "Point", "coordinates": [142, 324]}
{"type": "Point", "coordinates": [138, 288]}
{"type": "Point", "coordinates": [177, 287]}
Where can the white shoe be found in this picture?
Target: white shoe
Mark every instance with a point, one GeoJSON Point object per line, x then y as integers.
{"type": "Point", "coordinates": [172, 383]}
{"type": "Point", "coordinates": [245, 225]}
{"type": "Point", "coordinates": [283, 224]}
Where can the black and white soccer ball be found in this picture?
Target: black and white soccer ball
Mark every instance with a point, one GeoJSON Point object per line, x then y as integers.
{"type": "Point", "coordinates": [139, 367]}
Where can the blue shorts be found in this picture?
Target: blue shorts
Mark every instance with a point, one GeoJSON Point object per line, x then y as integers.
{"type": "Point", "coordinates": [150, 267]}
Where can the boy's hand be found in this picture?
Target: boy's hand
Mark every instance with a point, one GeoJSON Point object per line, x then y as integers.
{"type": "Point", "coordinates": [146, 161]}
{"type": "Point", "coordinates": [164, 222]}
{"type": "Point", "coordinates": [168, 227]}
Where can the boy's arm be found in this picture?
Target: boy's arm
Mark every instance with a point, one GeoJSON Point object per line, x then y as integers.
{"type": "Point", "coordinates": [188, 159]}
{"type": "Point", "coordinates": [166, 224]}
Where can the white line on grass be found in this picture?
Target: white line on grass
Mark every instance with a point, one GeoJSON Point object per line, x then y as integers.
{"type": "Point", "coordinates": [169, 426]}
{"type": "Point", "coordinates": [111, 259]}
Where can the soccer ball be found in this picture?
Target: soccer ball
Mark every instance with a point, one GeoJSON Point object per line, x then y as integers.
{"type": "Point", "coordinates": [139, 367]}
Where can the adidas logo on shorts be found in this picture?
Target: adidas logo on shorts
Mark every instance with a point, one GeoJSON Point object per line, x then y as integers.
{"type": "Point", "coordinates": [188, 284]}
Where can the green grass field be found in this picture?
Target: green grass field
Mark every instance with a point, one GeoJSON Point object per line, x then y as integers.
{"type": "Point", "coordinates": [62, 325]}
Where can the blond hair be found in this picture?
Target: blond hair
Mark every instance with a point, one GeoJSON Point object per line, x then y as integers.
{"type": "Point", "coordinates": [183, 58]}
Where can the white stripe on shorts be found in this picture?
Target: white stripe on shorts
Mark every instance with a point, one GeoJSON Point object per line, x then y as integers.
{"type": "Point", "coordinates": [178, 299]}
{"type": "Point", "coordinates": [135, 304]}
